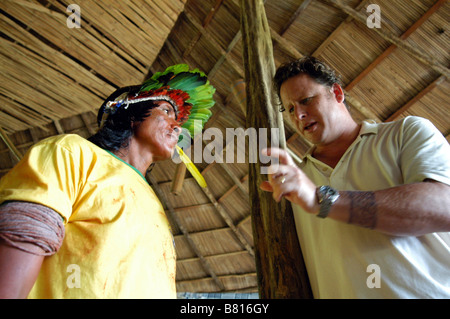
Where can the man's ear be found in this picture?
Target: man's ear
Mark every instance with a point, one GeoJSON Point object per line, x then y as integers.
{"type": "Point", "coordinates": [338, 92]}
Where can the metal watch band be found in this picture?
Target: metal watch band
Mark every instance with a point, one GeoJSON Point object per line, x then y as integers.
{"type": "Point", "coordinates": [326, 196]}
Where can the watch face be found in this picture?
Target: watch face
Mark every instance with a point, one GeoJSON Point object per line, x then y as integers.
{"type": "Point", "coordinates": [325, 190]}
{"type": "Point", "coordinates": [326, 196]}
{"type": "Point", "coordinates": [327, 193]}
{"type": "Point", "coordinates": [332, 191]}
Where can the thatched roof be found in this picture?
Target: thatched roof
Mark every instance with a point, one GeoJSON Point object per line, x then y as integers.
{"type": "Point", "coordinates": [53, 80]}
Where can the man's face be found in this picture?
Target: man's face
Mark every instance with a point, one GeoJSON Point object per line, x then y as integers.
{"type": "Point", "coordinates": [159, 132]}
{"type": "Point", "coordinates": [314, 108]}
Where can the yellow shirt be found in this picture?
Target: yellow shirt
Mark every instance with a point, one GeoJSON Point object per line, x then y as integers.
{"type": "Point", "coordinates": [117, 241]}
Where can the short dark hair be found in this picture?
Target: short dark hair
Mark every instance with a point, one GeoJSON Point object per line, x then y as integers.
{"type": "Point", "coordinates": [119, 127]}
{"type": "Point", "coordinates": [309, 65]}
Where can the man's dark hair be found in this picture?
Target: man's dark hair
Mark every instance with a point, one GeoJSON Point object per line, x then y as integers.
{"type": "Point", "coordinates": [309, 65]}
{"type": "Point", "coordinates": [119, 127]}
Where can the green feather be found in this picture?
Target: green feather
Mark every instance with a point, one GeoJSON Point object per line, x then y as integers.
{"type": "Point", "coordinates": [193, 82]}
{"type": "Point", "coordinates": [187, 81]}
{"type": "Point", "coordinates": [150, 84]}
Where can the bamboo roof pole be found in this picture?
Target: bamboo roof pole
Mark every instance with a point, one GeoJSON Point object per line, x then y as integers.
{"type": "Point", "coordinates": [279, 262]}
{"type": "Point", "coordinates": [14, 151]}
{"type": "Point", "coordinates": [397, 41]}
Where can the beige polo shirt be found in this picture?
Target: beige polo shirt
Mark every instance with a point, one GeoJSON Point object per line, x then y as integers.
{"type": "Point", "coordinates": [347, 261]}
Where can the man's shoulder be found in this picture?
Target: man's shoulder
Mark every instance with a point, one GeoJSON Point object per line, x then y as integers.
{"type": "Point", "coordinates": [407, 121]}
{"type": "Point", "coordinates": [404, 124]}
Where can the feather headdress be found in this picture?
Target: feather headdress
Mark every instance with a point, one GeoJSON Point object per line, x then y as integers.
{"type": "Point", "coordinates": [188, 91]}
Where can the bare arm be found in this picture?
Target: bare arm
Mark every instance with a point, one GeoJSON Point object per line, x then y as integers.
{"type": "Point", "coordinates": [18, 271]}
{"type": "Point", "coordinates": [28, 233]}
{"type": "Point", "coordinates": [407, 210]}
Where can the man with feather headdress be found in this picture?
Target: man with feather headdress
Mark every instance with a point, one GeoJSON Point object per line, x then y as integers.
{"type": "Point", "coordinates": [78, 218]}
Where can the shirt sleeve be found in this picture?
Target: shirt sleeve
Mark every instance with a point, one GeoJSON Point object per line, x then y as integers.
{"type": "Point", "coordinates": [46, 175]}
{"type": "Point", "coordinates": [425, 153]}
{"type": "Point", "coordinates": [30, 227]}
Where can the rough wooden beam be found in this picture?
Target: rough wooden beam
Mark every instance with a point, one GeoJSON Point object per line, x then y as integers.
{"type": "Point", "coordinates": [285, 45]}
{"type": "Point", "coordinates": [219, 200]}
{"type": "Point", "coordinates": [341, 27]}
{"type": "Point", "coordinates": [34, 134]}
{"type": "Point", "coordinates": [213, 42]}
{"type": "Point", "coordinates": [226, 217]}
{"type": "Point", "coordinates": [177, 57]}
{"type": "Point", "coordinates": [423, 18]}
{"type": "Point", "coordinates": [411, 102]}
{"type": "Point", "coordinates": [392, 47]}
{"type": "Point", "coordinates": [224, 56]}
{"type": "Point", "coordinates": [233, 176]}
{"type": "Point", "coordinates": [294, 17]}
{"type": "Point", "coordinates": [205, 24]}
{"type": "Point", "coordinates": [279, 262]}
{"type": "Point", "coordinates": [232, 189]}
{"type": "Point", "coordinates": [58, 127]}
{"type": "Point", "coordinates": [365, 111]}
{"type": "Point", "coordinates": [85, 120]}
{"type": "Point", "coordinates": [227, 169]}
{"type": "Point", "coordinates": [203, 283]}
{"type": "Point", "coordinates": [191, 207]}
{"type": "Point", "coordinates": [389, 36]}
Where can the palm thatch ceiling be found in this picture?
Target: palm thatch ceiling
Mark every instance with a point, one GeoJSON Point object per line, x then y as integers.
{"type": "Point", "coordinates": [55, 75]}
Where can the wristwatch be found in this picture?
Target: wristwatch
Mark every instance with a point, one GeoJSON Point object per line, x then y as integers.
{"type": "Point", "coordinates": [326, 196]}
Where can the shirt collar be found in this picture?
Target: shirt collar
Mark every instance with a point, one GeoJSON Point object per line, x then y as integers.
{"type": "Point", "coordinates": [367, 127]}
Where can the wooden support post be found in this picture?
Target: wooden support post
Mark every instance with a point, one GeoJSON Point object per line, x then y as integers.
{"type": "Point", "coordinates": [178, 179]}
{"type": "Point", "coordinates": [279, 261]}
